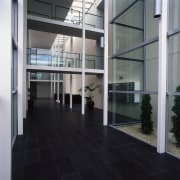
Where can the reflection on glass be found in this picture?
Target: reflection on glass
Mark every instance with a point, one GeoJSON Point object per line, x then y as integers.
{"type": "Point", "coordinates": [63, 59]}
{"type": "Point", "coordinates": [128, 71]}
{"type": "Point", "coordinates": [174, 63]}
{"type": "Point", "coordinates": [172, 145]}
{"type": "Point", "coordinates": [127, 115]}
{"type": "Point", "coordinates": [174, 14]}
{"type": "Point", "coordinates": [133, 16]}
{"type": "Point", "coordinates": [151, 57]}
{"type": "Point", "coordinates": [151, 23]}
{"type": "Point", "coordinates": [126, 37]}
{"type": "Point", "coordinates": [120, 5]}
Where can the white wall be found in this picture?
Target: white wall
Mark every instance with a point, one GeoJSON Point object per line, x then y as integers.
{"type": "Point", "coordinates": [5, 89]}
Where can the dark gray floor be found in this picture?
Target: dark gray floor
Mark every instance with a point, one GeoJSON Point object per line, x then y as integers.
{"type": "Point", "coordinates": [59, 144]}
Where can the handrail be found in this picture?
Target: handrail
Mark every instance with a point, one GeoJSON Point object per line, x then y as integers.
{"type": "Point", "coordinates": [67, 8]}
{"type": "Point", "coordinates": [43, 2]}
{"type": "Point", "coordinates": [52, 13]}
{"type": "Point", "coordinates": [93, 55]}
{"type": "Point", "coordinates": [94, 15]}
{"type": "Point", "coordinates": [64, 59]}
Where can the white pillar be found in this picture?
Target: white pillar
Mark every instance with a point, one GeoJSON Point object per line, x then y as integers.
{"type": "Point", "coordinates": [162, 78]}
{"type": "Point", "coordinates": [5, 89]}
{"type": "Point", "coordinates": [70, 91]}
{"type": "Point", "coordinates": [58, 100]}
{"type": "Point", "coordinates": [54, 83]}
{"type": "Point", "coordinates": [22, 87]}
{"type": "Point", "coordinates": [63, 91]}
{"type": "Point", "coordinates": [106, 23]}
{"type": "Point", "coordinates": [83, 57]}
{"type": "Point", "coordinates": [51, 93]}
{"type": "Point", "coordinates": [71, 85]}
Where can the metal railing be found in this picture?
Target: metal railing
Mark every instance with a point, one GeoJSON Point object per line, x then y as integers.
{"type": "Point", "coordinates": [63, 59]}
{"type": "Point", "coordinates": [44, 76]}
{"type": "Point", "coordinates": [60, 13]}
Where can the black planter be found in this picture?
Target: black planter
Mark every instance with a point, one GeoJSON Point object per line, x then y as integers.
{"type": "Point", "coordinates": [30, 104]}
{"type": "Point", "coordinates": [90, 105]}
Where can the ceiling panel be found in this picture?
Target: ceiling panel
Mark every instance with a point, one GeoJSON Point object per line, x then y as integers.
{"type": "Point", "coordinates": [39, 39]}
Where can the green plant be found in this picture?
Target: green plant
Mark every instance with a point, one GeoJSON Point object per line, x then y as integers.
{"type": "Point", "coordinates": [89, 89]}
{"type": "Point", "coordinates": [176, 117]}
{"type": "Point", "coordinates": [146, 122]}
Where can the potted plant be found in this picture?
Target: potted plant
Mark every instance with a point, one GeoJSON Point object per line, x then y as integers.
{"type": "Point", "coordinates": [146, 122]}
{"type": "Point", "coordinates": [176, 117]}
{"type": "Point", "coordinates": [89, 89]}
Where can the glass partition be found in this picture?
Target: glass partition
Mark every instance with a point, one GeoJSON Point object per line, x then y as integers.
{"type": "Point", "coordinates": [44, 76]}
{"type": "Point", "coordinates": [173, 88]}
{"type": "Point", "coordinates": [120, 6]}
{"type": "Point", "coordinates": [95, 21]}
{"type": "Point", "coordinates": [135, 67]}
{"type": "Point", "coordinates": [63, 59]}
{"type": "Point", "coordinates": [174, 63]}
{"type": "Point", "coordinates": [173, 125]}
{"type": "Point", "coordinates": [72, 15]}
{"type": "Point", "coordinates": [174, 14]}
{"type": "Point", "coordinates": [94, 62]}
{"type": "Point", "coordinates": [127, 111]}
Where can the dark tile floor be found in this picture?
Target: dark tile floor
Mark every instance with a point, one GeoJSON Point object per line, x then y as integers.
{"type": "Point", "coordinates": [60, 144]}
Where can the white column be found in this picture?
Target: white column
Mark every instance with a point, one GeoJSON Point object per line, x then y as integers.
{"type": "Point", "coordinates": [58, 100]}
{"type": "Point", "coordinates": [51, 93]}
{"type": "Point", "coordinates": [5, 89]}
{"type": "Point", "coordinates": [70, 91]}
{"type": "Point", "coordinates": [162, 78]}
{"type": "Point", "coordinates": [54, 83]}
{"type": "Point", "coordinates": [106, 23]}
{"type": "Point", "coordinates": [83, 57]}
{"type": "Point", "coordinates": [22, 88]}
{"type": "Point", "coordinates": [71, 85]}
{"type": "Point", "coordinates": [63, 91]}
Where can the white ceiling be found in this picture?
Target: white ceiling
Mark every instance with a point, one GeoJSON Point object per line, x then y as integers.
{"type": "Point", "coordinates": [39, 39]}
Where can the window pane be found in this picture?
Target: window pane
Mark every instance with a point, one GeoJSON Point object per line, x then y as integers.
{"type": "Point", "coordinates": [173, 126]}
{"type": "Point", "coordinates": [126, 116]}
{"type": "Point", "coordinates": [174, 63]}
{"type": "Point", "coordinates": [174, 14]}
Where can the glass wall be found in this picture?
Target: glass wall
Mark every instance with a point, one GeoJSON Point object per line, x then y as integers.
{"type": "Point", "coordinates": [135, 67]}
{"type": "Point", "coordinates": [173, 89]}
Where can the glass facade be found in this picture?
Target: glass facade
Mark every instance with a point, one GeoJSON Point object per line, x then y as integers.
{"type": "Point", "coordinates": [136, 63]}
{"type": "Point", "coordinates": [135, 67]}
{"type": "Point", "coordinates": [173, 95]}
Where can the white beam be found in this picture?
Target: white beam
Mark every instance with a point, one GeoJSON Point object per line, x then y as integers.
{"type": "Point", "coordinates": [5, 89]}
{"type": "Point", "coordinates": [63, 91]}
{"type": "Point", "coordinates": [71, 85]}
{"type": "Point", "coordinates": [23, 4]}
{"type": "Point", "coordinates": [58, 100]}
{"type": "Point", "coordinates": [83, 57]}
{"type": "Point", "coordinates": [22, 88]}
{"type": "Point", "coordinates": [71, 91]}
{"type": "Point", "coordinates": [54, 83]}
{"type": "Point", "coordinates": [162, 77]}
{"type": "Point", "coordinates": [51, 93]}
{"type": "Point", "coordinates": [105, 108]}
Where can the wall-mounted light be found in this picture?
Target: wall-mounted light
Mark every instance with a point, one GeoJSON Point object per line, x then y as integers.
{"type": "Point", "coordinates": [157, 8]}
{"type": "Point", "coordinates": [102, 42]}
